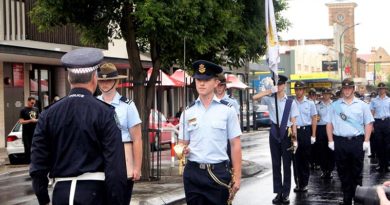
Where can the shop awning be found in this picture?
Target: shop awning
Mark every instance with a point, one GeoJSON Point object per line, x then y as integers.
{"type": "Point", "coordinates": [234, 82]}
{"type": "Point", "coordinates": [181, 76]}
{"type": "Point", "coordinates": [165, 79]}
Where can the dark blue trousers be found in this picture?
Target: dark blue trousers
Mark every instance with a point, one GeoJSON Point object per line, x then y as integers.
{"type": "Point", "coordinates": [87, 193]}
{"type": "Point", "coordinates": [302, 156]}
{"type": "Point", "coordinates": [326, 155]}
{"type": "Point", "coordinates": [279, 152]}
{"type": "Point", "coordinates": [349, 157]}
{"type": "Point", "coordinates": [382, 138]}
{"type": "Point", "coordinates": [201, 189]}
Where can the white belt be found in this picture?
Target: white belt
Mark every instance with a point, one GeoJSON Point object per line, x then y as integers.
{"type": "Point", "coordinates": [96, 176]}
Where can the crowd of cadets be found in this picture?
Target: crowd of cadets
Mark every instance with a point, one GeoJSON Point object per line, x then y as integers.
{"type": "Point", "coordinates": [330, 130]}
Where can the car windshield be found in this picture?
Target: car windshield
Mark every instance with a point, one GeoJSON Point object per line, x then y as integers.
{"type": "Point", "coordinates": [17, 128]}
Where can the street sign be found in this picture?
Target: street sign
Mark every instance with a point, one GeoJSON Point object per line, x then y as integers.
{"type": "Point", "coordinates": [329, 66]}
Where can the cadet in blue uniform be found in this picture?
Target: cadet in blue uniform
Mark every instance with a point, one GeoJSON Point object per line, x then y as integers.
{"type": "Point", "coordinates": [280, 142]}
{"type": "Point", "coordinates": [220, 92]}
{"type": "Point", "coordinates": [306, 132]}
{"type": "Point", "coordinates": [130, 123]}
{"type": "Point", "coordinates": [326, 155]}
{"type": "Point", "coordinates": [77, 142]}
{"type": "Point", "coordinates": [348, 127]}
{"type": "Point", "coordinates": [205, 127]}
{"type": "Point", "coordinates": [380, 108]}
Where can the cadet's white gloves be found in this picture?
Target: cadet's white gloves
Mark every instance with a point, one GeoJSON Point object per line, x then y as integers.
{"type": "Point", "coordinates": [366, 145]}
{"type": "Point", "coordinates": [312, 139]}
{"type": "Point", "coordinates": [274, 89]}
{"type": "Point", "coordinates": [331, 145]}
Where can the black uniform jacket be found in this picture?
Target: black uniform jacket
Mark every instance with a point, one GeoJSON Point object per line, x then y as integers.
{"type": "Point", "coordinates": [78, 134]}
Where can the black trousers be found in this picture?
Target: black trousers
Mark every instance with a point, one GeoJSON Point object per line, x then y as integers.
{"type": "Point", "coordinates": [382, 138]}
{"type": "Point", "coordinates": [279, 152]}
{"type": "Point", "coordinates": [201, 189]}
{"type": "Point", "coordinates": [349, 157]}
{"type": "Point", "coordinates": [302, 157]}
{"type": "Point", "coordinates": [27, 141]}
{"type": "Point", "coordinates": [326, 155]}
{"type": "Point", "coordinates": [87, 193]}
{"type": "Point", "coordinates": [130, 185]}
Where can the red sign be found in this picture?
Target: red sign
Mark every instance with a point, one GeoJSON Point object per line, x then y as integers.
{"type": "Point", "coordinates": [18, 74]}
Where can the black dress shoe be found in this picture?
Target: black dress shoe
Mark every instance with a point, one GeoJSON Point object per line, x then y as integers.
{"type": "Point", "coordinates": [277, 199]}
{"type": "Point", "coordinates": [303, 189]}
{"type": "Point", "coordinates": [285, 200]}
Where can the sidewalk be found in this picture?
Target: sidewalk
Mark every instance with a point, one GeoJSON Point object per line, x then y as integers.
{"type": "Point", "coordinates": [168, 190]}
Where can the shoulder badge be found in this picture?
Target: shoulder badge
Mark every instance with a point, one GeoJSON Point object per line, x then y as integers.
{"type": "Point", "coordinates": [126, 100]}
{"type": "Point", "coordinates": [192, 104]}
{"type": "Point", "coordinates": [226, 103]}
{"type": "Point", "coordinates": [101, 101]}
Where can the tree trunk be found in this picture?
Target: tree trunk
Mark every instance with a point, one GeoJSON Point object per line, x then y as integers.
{"type": "Point", "coordinates": [138, 76]}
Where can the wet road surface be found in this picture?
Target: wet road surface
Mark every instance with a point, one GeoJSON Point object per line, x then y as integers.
{"type": "Point", "coordinates": [15, 187]}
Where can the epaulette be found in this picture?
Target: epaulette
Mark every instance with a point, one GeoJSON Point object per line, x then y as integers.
{"type": "Point", "coordinates": [192, 104]}
{"type": "Point", "coordinates": [47, 107]}
{"type": "Point", "coordinates": [226, 103]}
{"type": "Point", "coordinates": [101, 101]}
{"type": "Point", "coordinates": [126, 100]}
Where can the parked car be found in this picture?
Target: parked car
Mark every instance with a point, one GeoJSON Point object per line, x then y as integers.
{"type": "Point", "coordinates": [262, 116]}
{"type": "Point", "coordinates": [167, 129]}
{"type": "Point", "coordinates": [15, 148]}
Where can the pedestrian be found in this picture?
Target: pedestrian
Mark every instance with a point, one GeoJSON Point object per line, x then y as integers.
{"type": "Point", "coordinates": [130, 122]}
{"type": "Point", "coordinates": [326, 155]}
{"type": "Point", "coordinates": [380, 108]}
{"type": "Point", "coordinates": [28, 118]}
{"type": "Point", "coordinates": [205, 127]}
{"type": "Point", "coordinates": [280, 140]}
{"type": "Point", "coordinates": [348, 127]}
{"type": "Point", "coordinates": [221, 93]}
{"type": "Point", "coordinates": [77, 142]}
{"type": "Point", "coordinates": [306, 132]}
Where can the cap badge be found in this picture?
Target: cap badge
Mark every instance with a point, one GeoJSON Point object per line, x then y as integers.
{"type": "Point", "coordinates": [104, 76]}
{"type": "Point", "coordinates": [202, 69]}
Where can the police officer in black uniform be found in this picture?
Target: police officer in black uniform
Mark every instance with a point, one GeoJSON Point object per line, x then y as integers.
{"type": "Point", "coordinates": [78, 143]}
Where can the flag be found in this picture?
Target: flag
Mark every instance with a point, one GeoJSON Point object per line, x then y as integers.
{"type": "Point", "coordinates": [272, 39]}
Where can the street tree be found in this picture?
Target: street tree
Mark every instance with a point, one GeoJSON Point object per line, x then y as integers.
{"type": "Point", "coordinates": [228, 32]}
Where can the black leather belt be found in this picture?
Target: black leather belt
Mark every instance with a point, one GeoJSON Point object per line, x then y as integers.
{"type": "Point", "coordinates": [350, 137]}
{"type": "Point", "coordinates": [382, 119]}
{"type": "Point", "coordinates": [223, 164]}
{"type": "Point", "coordinates": [303, 127]}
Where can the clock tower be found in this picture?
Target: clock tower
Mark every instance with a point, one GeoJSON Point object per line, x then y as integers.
{"type": "Point", "coordinates": [342, 12]}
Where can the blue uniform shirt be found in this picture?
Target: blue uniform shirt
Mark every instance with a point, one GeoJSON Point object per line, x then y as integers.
{"type": "Point", "coordinates": [323, 111]}
{"type": "Point", "coordinates": [208, 130]}
{"type": "Point", "coordinates": [307, 109]}
{"type": "Point", "coordinates": [127, 114]}
{"type": "Point", "coordinates": [270, 102]}
{"type": "Point", "coordinates": [232, 101]}
{"type": "Point", "coordinates": [381, 107]}
{"type": "Point", "coordinates": [358, 110]}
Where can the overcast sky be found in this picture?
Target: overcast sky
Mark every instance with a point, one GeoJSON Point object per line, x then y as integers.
{"type": "Point", "coordinates": [309, 20]}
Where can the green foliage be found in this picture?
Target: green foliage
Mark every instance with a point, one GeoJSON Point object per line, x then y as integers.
{"type": "Point", "coordinates": [225, 31]}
